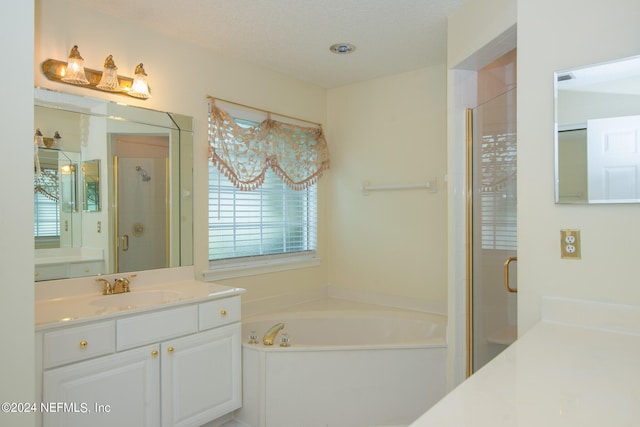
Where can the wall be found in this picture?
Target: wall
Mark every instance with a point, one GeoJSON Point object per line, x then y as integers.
{"type": "Point", "coordinates": [553, 36]}
{"type": "Point", "coordinates": [471, 28]}
{"type": "Point", "coordinates": [16, 219]}
{"type": "Point", "coordinates": [181, 76]}
{"type": "Point", "coordinates": [389, 131]}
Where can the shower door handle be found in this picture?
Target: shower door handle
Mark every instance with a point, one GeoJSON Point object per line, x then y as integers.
{"type": "Point", "coordinates": [506, 274]}
{"type": "Point", "coordinates": [124, 242]}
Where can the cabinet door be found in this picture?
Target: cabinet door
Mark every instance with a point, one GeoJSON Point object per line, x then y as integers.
{"type": "Point", "coordinates": [116, 390]}
{"type": "Point", "coordinates": [201, 377]}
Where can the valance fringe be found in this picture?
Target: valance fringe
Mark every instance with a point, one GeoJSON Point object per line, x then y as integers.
{"type": "Point", "coordinates": [298, 155]}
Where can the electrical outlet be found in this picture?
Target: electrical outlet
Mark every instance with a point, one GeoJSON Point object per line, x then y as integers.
{"type": "Point", "coordinates": [570, 244]}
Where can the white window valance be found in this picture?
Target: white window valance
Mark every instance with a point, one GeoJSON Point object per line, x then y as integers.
{"type": "Point", "coordinates": [298, 155]}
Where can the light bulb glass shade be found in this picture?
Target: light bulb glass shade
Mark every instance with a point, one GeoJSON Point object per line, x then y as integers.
{"type": "Point", "coordinates": [38, 138]}
{"type": "Point", "coordinates": [74, 72]}
{"type": "Point", "coordinates": [109, 79]}
{"type": "Point", "coordinates": [139, 87]}
{"type": "Point", "coordinates": [57, 140]}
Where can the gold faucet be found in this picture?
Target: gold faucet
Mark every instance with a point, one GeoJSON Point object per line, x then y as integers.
{"type": "Point", "coordinates": [120, 285]}
{"type": "Point", "coordinates": [271, 333]}
{"type": "Point", "coordinates": [107, 289]}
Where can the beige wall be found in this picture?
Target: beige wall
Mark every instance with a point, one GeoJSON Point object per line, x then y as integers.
{"type": "Point", "coordinates": [473, 26]}
{"type": "Point", "coordinates": [16, 218]}
{"type": "Point", "coordinates": [181, 76]}
{"type": "Point", "coordinates": [389, 131]}
{"type": "Point", "coordinates": [553, 36]}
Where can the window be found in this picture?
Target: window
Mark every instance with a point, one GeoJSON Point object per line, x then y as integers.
{"type": "Point", "coordinates": [46, 225]}
{"type": "Point", "coordinates": [269, 223]}
{"type": "Point", "coordinates": [497, 200]}
{"type": "Point", "coordinates": [47, 216]}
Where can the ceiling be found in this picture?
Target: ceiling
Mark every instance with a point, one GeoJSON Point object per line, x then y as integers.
{"type": "Point", "coordinates": [621, 76]}
{"type": "Point", "coordinates": [293, 36]}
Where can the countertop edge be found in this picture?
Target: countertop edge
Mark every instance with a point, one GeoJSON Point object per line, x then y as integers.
{"type": "Point", "coordinates": [49, 323]}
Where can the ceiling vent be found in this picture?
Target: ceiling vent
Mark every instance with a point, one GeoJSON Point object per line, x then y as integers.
{"type": "Point", "coordinates": [565, 77]}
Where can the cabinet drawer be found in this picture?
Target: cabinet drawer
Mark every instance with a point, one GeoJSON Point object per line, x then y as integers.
{"type": "Point", "coordinates": [79, 343]}
{"type": "Point", "coordinates": [51, 271]}
{"type": "Point", "coordinates": [219, 312]}
{"type": "Point", "coordinates": [153, 327]}
{"type": "Point", "coordinates": [89, 268]}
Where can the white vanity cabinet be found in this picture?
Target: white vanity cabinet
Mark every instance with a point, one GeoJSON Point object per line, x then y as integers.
{"type": "Point", "coordinates": [199, 377]}
{"type": "Point", "coordinates": [168, 367]}
{"type": "Point", "coordinates": [117, 390]}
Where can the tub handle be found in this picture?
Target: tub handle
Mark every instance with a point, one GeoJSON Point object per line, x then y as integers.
{"type": "Point", "coordinates": [506, 274]}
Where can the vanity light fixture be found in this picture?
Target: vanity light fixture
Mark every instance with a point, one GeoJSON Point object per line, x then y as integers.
{"type": "Point", "coordinates": [73, 72]}
{"type": "Point", "coordinates": [42, 141]}
{"type": "Point", "coordinates": [109, 79]}
{"type": "Point", "coordinates": [38, 138]}
{"type": "Point", "coordinates": [57, 140]}
{"type": "Point", "coordinates": [139, 87]}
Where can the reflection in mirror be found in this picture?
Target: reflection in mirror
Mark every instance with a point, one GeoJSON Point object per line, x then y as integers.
{"type": "Point", "coordinates": [91, 180]}
{"type": "Point", "coordinates": [54, 198]}
{"type": "Point", "coordinates": [598, 133]}
{"type": "Point", "coordinates": [83, 224]}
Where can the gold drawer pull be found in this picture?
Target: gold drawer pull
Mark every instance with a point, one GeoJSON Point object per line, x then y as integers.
{"type": "Point", "coordinates": [83, 344]}
{"type": "Point", "coordinates": [171, 349]}
{"type": "Point", "coordinates": [154, 353]}
{"type": "Point", "coordinates": [223, 313]}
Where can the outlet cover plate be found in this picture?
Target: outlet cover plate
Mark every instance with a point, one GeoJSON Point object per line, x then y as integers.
{"type": "Point", "coordinates": [570, 244]}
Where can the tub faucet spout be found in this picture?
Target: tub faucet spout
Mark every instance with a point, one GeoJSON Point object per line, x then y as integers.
{"type": "Point", "coordinates": [271, 333]}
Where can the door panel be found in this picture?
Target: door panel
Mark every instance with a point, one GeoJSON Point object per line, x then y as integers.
{"type": "Point", "coordinates": [494, 227]}
{"type": "Point", "coordinates": [613, 158]}
{"type": "Point", "coordinates": [142, 214]}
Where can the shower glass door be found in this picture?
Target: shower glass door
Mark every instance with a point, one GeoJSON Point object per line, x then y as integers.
{"type": "Point", "coordinates": [493, 228]}
{"type": "Point", "coordinates": [141, 201]}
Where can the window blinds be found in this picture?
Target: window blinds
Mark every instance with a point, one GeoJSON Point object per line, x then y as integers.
{"type": "Point", "coordinates": [272, 219]}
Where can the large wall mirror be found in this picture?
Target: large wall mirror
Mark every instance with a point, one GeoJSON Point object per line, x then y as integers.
{"type": "Point", "coordinates": [598, 133]}
{"type": "Point", "coordinates": [112, 190]}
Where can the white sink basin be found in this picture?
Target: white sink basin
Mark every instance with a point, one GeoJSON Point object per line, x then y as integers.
{"type": "Point", "coordinates": [136, 298]}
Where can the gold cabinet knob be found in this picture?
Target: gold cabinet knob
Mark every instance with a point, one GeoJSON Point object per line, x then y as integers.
{"type": "Point", "coordinates": [171, 349]}
{"type": "Point", "coordinates": [83, 344]}
{"type": "Point", "coordinates": [154, 353]}
{"type": "Point", "coordinates": [223, 313]}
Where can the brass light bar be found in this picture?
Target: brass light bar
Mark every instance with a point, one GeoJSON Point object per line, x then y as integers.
{"type": "Point", "coordinates": [54, 70]}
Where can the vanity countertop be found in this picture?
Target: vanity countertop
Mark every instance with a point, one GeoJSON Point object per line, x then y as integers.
{"type": "Point", "coordinates": [580, 366]}
{"type": "Point", "coordinates": [65, 306]}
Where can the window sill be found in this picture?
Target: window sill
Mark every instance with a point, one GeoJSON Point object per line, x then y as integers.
{"type": "Point", "coordinates": [256, 266]}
